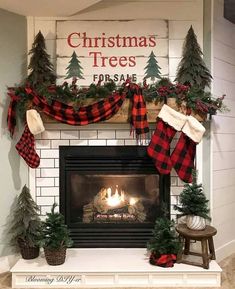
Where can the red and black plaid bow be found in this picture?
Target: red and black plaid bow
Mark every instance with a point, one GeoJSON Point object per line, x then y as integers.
{"type": "Point", "coordinates": [164, 260]}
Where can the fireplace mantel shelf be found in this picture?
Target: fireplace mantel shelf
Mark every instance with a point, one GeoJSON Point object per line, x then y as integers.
{"type": "Point", "coordinates": [110, 268]}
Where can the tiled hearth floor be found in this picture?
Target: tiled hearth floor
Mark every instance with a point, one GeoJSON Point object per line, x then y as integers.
{"type": "Point", "coordinates": [228, 276]}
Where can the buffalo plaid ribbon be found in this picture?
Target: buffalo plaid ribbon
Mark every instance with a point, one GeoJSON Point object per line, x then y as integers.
{"type": "Point", "coordinates": [139, 115]}
{"type": "Point", "coordinates": [11, 115]}
{"type": "Point", "coordinates": [93, 113]}
{"type": "Point", "coordinates": [164, 260]}
{"type": "Point", "coordinates": [99, 111]}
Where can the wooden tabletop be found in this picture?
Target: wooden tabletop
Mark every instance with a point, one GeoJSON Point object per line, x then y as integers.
{"type": "Point", "coordinates": [183, 230]}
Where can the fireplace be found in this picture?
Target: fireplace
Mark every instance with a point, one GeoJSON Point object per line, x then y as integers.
{"type": "Point", "coordinates": [110, 196]}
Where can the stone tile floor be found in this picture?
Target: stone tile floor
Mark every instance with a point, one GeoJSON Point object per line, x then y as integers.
{"type": "Point", "coordinates": [228, 276]}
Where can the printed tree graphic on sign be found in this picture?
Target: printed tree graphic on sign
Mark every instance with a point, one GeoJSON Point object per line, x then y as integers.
{"type": "Point", "coordinates": [152, 68]}
{"type": "Point", "coordinates": [74, 68]}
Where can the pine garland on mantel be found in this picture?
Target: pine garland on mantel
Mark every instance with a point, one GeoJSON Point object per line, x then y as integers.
{"type": "Point", "coordinates": [192, 98]}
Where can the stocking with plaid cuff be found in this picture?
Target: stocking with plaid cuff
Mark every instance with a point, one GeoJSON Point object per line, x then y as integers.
{"type": "Point", "coordinates": [168, 122]}
{"type": "Point", "coordinates": [26, 150]}
{"type": "Point", "coordinates": [183, 156]}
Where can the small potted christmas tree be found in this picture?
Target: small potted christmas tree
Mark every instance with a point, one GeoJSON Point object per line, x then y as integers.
{"type": "Point", "coordinates": [165, 244]}
{"type": "Point", "coordinates": [55, 238]}
{"type": "Point", "coordinates": [26, 225]}
{"type": "Point", "coordinates": [193, 205]}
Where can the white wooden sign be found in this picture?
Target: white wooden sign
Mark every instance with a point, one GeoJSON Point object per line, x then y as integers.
{"type": "Point", "coordinates": [93, 50]}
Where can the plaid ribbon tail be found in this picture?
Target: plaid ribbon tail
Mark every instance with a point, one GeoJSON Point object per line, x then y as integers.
{"type": "Point", "coordinates": [138, 120]}
{"type": "Point", "coordinates": [11, 114]}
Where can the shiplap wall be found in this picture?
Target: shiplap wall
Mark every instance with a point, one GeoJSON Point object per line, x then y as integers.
{"type": "Point", "coordinates": [223, 132]}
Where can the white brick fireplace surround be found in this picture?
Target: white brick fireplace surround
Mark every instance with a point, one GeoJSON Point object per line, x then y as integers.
{"type": "Point", "coordinates": [98, 267]}
{"type": "Point", "coordinates": [44, 181]}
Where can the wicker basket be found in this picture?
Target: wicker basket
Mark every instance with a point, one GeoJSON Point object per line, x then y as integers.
{"type": "Point", "coordinates": [55, 257]}
{"type": "Point", "coordinates": [26, 251]}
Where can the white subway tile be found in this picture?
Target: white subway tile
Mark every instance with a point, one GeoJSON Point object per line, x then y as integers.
{"type": "Point", "coordinates": [38, 191]}
{"type": "Point", "coordinates": [130, 142]}
{"type": "Point", "coordinates": [45, 201]}
{"type": "Point", "coordinates": [38, 152]}
{"type": "Point", "coordinates": [56, 163]}
{"type": "Point", "coordinates": [51, 134]}
{"type": "Point", "coordinates": [69, 134]}
{"type": "Point", "coordinates": [38, 173]}
{"type": "Point", "coordinates": [174, 200]}
{"type": "Point", "coordinates": [38, 136]}
{"type": "Point", "coordinates": [43, 218]}
{"type": "Point", "coordinates": [79, 142]}
{"type": "Point", "coordinates": [43, 143]}
{"type": "Point", "coordinates": [47, 163]}
{"type": "Point", "coordinates": [180, 183]}
{"type": "Point", "coordinates": [174, 181]}
{"type": "Point", "coordinates": [88, 134]}
{"type": "Point", "coordinates": [56, 143]}
{"type": "Point", "coordinates": [123, 134]}
{"type": "Point", "coordinates": [57, 182]}
{"type": "Point", "coordinates": [45, 209]}
{"type": "Point", "coordinates": [57, 201]}
{"type": "Point", "coordinates": [45, 182]}
{"type": "Point", "coordinates": [49, 173]}
{"type": "Point", "coordinates": [96, 142]}
{"type": "Point", "coordinates": [54, 191]}
{"type": "Point", "coordinates": [106, 134]}
{"type": "Point", "coordinates": [50, 154]}
{"type": "Point", "coordinates": [176, 190]}
{"type": "Point", "coordinates": [115, 142]}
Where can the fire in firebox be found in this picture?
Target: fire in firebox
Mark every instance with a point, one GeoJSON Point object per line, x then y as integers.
{"type": "Point", "coordinates": [114, 207]}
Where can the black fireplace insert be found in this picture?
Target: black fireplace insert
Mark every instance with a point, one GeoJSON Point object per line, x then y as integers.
{"type": "Point", "coordinates": [110, 196]}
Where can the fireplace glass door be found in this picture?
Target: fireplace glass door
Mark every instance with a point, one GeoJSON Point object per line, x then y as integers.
{"type": "Point", "coordinates": [110, 196]}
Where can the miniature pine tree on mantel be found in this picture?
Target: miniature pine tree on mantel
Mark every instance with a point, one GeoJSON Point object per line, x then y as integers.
{"type": "Point", "coordinates": [192, 69]}
{"type": "Point", "coordinates": [42, 72]}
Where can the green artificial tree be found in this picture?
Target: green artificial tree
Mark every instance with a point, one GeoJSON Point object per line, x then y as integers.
{"type": "Point", "coordinates": [74, 70]}
{"type": "Point", "coordinates": [55, 232]}
{"type": "Point", "coordinates": [55, 238]}
{"type": "Point", "coordinates": [193, 200]}
{"type": "Point", "coordinates": [165, 240]}
{"type": "Point", "coordinates": [152, 69]}
{"type": "Point", "coordinates": [42, 72]}
{"type": "Point", "coordinates": [192, 69]}
{"type": "Point", "coordinates": [26, 225]}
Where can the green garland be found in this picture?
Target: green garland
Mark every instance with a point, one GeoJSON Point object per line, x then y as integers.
{"type": "Point", "coordinates": [195, 99]}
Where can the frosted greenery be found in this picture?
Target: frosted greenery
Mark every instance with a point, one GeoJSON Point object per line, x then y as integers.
{"type": "Point", "coordinates": [26, 224]}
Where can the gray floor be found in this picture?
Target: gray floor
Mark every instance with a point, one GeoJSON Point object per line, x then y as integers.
{"type": "Point", "coordinates": [228, 276]}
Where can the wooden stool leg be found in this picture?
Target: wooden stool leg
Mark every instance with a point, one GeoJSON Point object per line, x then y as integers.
{"type": "Point", "coordinates": [205, 256]}
{"type": "Point", "coordinates": [180, 253]}
{"type": "Point", "coordinates": [211, 248]}
{"type": "Point", "coordinates": [186, 246]}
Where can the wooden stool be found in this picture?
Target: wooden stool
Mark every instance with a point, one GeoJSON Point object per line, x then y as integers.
{"type": "Point", "coordinates": [204, 236]}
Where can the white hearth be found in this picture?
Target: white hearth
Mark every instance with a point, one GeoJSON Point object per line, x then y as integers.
{"type": "Point", "coordinates": [110, 268]}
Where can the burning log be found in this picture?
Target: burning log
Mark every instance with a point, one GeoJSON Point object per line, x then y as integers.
{"type": "Point", "coordinates": [113, 208]}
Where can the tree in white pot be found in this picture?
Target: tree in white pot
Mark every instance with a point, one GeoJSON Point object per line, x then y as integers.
{"type": "Point", "coordinates": [194, 205]}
